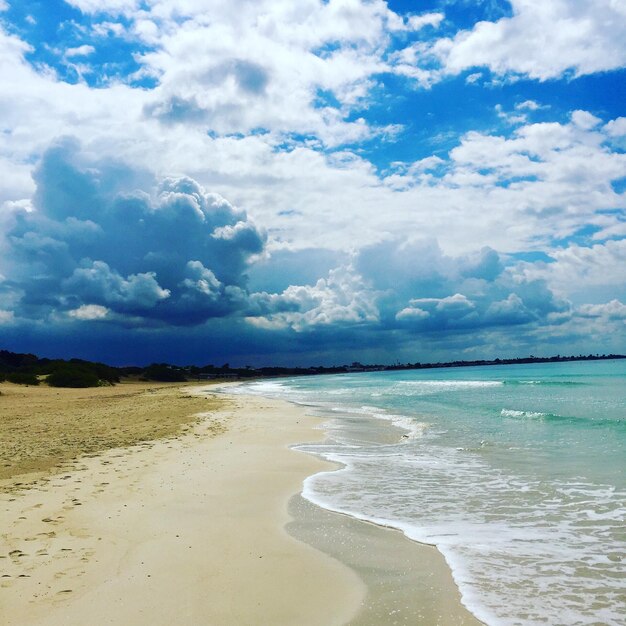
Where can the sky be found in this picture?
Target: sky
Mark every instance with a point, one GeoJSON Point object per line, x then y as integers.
{"type": "Point", "coordinates": [314, 182]}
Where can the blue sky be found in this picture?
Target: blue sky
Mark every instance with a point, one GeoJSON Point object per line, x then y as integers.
{"type": "Point", "coordinates": [314, 182]}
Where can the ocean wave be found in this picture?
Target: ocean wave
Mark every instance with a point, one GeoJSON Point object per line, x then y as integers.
{"type": "Point", "coordinates": [530, 414]}
{"type": "Point", "coordinates": [546, 383]}
{"type": "Point", "coordinates": [567, 419]}
{"type": "Point", "coordinates": [412, 427]}
{"type": "Point", "coordinates": [451, 384]}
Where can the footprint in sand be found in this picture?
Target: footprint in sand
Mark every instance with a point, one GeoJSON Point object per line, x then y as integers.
{"type": "Point", "coordinates": [16, 554]}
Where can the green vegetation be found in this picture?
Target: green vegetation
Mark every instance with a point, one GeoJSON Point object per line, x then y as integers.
{"type": "Point", "coordinates": [73, 377]}
{"type": "Point", "coordinates": [22, 378]}
{"type": "Point", "coordinates": [86, 369]}
{"type": "Point", "coordinates": [164, 373]}
{"type": "Point", "coordinates": [24, 369]}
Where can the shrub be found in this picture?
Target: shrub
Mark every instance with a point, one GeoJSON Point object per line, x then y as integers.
{"type": "Point", "coordinates": [23, 378]}
{"type": "Point", "coordinates": [103, 372]}
{"type": "Point", "coordinates": [164, 373]}
{"type": "Point", "coordinates": [73, 377]}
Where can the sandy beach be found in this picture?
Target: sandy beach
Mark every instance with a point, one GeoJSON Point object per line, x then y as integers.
{"type": "Point", "coordinates": [191, 519]}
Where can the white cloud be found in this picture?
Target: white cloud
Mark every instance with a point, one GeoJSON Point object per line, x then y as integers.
{"type": "Point", "coordinates": [528, 105]}
{"type": "Point", "coordinates": [98, 280]}
{"type": "Point", "coordinates": [579, 269]}
{"type": "Point", "coordinates": [6, 317]}
{"type": "Point", "coordinates": [105, 6]}
{"type": "Point", "coordinates": [89, 312]}
{"type": "Point", "coordinates": [340, 299]}
{"type": "Point", "coordinates": [613, 310]}
{"type": "Point", "coordinates": [417, 22]}
{"type": "Point", "coordinates": [473, 78]}
{"type": "Point", "coordinates": [585, 120]}
{"type": "Point", "coordinates": [412, 313]}
{"type": "Point", "coordinates": [512, 193]}
{"type": "Point", "coordinates": [542, 40]}
{"type": "Point", "coordinates": [261, 66]}
{"type": "Point", "coordinates": [616, 127]}
{"type": "Point", "coordinates": [80, 51]}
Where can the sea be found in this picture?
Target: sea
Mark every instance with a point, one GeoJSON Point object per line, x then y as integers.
{"type": "Point", "coordinates": [516, 473]}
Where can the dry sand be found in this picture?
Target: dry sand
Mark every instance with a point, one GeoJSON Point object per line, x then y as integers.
{"type": "Point", "coordinates": [43, 427]}
{"type": "Point", "coordinates": [183, 531]}
{"type": "Point", "coordinates": [190, 529]}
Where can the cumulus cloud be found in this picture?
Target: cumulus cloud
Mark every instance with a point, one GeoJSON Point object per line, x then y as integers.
{"type": "Point", "coordinates": [424, 289]}
{"type": "Point", "coordinates": [338, 300]}
{"type": "Point", "coordinates": [262, 64]}
{"type": "Point", "coordinates": [105, 6]}
{"type": "Point", "coordinates": [542, 40]}
{"type": "Point", "coordinates": [614, 310]}
{"type": "Point", "coordinates": [80, 51]}
{"type": "Point", "coordinates": [95, 243]}
{"type": "Point", "coordinates": [95, 281]}
{"type": "Point", "coordinates": [417, 22]}
{"type": "Point", "coordinates": [582, 271]}
{"type": "Point", "coordinates": [542, 182]}
{"type": "Point", "coordinates": [413, 286]}
{"type": "Point", "coordinates": [547, 180]}
{"type": "Point", "coordinates": [89, 312]}
{"type": "Point", "coordinates": [616, 127]}
{"type": "Point", "coordinates": [262, 103]}
{"type": "Point", "coordinates": [452, 311]}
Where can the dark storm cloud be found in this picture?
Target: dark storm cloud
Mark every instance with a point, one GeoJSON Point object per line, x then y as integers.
{"type": "Point", "coordinates": [110, 252]}
{"type": "Point", "coordinates": [171, 252]}
{"type": "Point", "coordinates": [423, 289]}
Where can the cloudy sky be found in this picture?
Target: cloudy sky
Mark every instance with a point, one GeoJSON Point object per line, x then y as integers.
{"type": "Point", "coordinates": [320, 181]}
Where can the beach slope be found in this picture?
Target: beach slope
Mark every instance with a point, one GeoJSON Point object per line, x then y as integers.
{"type": "Point", "coordinates": [183, 530]}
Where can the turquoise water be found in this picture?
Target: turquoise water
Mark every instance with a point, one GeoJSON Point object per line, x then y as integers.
{"type": "Point", "coordinates": [516, 473]}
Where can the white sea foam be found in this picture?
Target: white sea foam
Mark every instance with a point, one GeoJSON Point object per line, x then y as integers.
{"type": "Point", "coordinates": [452, 384]}
{"type": "Point", "coordinates": [413, 427]}
{"type": "Point", "coordinates": [533, 535]}
{"type": "Point", "coordinates": [272, 388]}
{"type": "Point", "coordinates": [514, 413]}
{"type": "Point", "coordinates": [531, 551]}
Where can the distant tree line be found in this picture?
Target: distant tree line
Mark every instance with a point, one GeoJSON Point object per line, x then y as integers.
{"type": "Point", "coordinates": [28, 369]}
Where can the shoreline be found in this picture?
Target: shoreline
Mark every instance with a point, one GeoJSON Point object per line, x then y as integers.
{"type": "Point", "coordinates": [207, 525]}
{"type": "Point", "coordinates": [407, 581]}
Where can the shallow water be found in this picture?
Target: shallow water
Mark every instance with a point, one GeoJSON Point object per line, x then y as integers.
{"type": "Point", "coordinates": [516, 473]}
